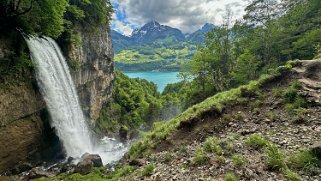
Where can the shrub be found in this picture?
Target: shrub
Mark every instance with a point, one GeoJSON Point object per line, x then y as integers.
{"type": "Point", "coordinates": [275, 159]}
{"type": "Point", "coordinates": [148, 170]}
{"type": "Point", "coordinates": [230, 177]}
{"type": "Point", "coordinates": [238, 160]}
{"type": "Point", "coordinates": [256, 141]}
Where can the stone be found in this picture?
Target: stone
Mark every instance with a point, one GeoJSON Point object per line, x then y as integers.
{"type": "Point", "coordinates": [123, 132]}
{"type": "Point", "coordinates": [86, 163]}
{"type": "Point", "coordinates": [137, 162]}
{"type": "Point", "coordinates": [36, 173]}
{"type": "Point", "coordinates": [96, 159]}
{"type": "Point", "coordinates": [316, 149]}
{"type": "Point", "coordinates": [84, 167]}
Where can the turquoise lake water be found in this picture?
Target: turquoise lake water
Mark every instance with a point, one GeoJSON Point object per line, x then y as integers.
{"type": "Point", "coordinates": [161, 79]}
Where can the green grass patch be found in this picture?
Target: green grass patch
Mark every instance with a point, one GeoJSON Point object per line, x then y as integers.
{"type": "Point", "coordinates": [238, 160]}
{"type": "Point", "coordinates": [275, 159]}
{"type": "Point", "coordinates": [306, 161]}
{"type": "Point", "coordinates": [148, 170]}
{"type": "Point", "coordinates": [200, 157]}
{"type": "Point", "coordinates": [291, 175]}
{"type": "Point", "coordinates": [230, 177]}
{"type": "Point", "coordinates": [256, 141]}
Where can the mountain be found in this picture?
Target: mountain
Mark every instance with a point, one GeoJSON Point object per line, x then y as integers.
{"type": "Point", "coordinates": [198, 36]}
{"type": "Point", "coordinates": [156, 47]}
{"type": "Point", "coordinates": [120, 41]}
{"type": "Point", "coordinates": [153, 31]}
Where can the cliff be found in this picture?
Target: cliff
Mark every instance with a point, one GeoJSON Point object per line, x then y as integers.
{"type": "Point", "coordinates": [26, 137]}
{"type": "Point", "coordinates": [96, 69]}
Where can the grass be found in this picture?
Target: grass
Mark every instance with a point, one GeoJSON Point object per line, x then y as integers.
{"type": "Point", "coordinates": [211, 144]}
{"type": "Point", "coordinates": [148, 170]}
{"type": "Point", "coordinates": [230, 177]}
{"type": "Point", "coordinates": [238, 160]}
{"type": "Point", "coordinates": [306, 161]}
{"type": "Point", "coordinates": [97, 174]}
{"type": "Point", "coordinates": [256, 141]}
{"type": "Point", "coordinates": [275, 159]}
{"type": "Point", "coordinates": [291, 176]}
{"type": "Point", "coordinates": [200, 157]}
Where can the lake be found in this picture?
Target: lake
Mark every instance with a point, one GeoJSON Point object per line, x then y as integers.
{"type": "Point", "coordinates": [161, 79]}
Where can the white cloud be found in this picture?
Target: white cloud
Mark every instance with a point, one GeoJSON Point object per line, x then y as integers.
{"type": "Point", "coordinates": [122, 27]}
{"type": "Point", "coordinates": [187, 15]}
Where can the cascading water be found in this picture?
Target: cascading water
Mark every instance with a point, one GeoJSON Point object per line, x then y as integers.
{"type": "Point", "coordinates": [59, 92]}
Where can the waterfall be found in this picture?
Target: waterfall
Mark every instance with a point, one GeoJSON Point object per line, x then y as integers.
{"type": "Point", "coordinates": [59, 92]}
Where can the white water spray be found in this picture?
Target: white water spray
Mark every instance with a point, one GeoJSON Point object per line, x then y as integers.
{"type": "Point", "coordinates": [60, 95]}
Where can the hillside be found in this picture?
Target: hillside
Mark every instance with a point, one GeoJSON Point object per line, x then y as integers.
{"type": "Point", "coordinates": [156, 47]}
{"type": "Point", "coordinates": [267, 130]}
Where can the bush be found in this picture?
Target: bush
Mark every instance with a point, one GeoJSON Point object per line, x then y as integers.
{"type": "Point", "coordinates": [256, 141]}
{"type": "Point", "coordinates": [275, 159]}
{"type": "Point", "coordinates": [230, 177]}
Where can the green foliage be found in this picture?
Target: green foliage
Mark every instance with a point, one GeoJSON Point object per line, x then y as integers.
{"type": "Point", "coordinates": [230, 177]}
{"type": "Point", "coordinates": [238, 160]}
{"type": "Point", "coordinates": [200, 157]}
{"type": "Point", "coordinates": [275, 159]}
{"type": "Point", "coordinates": [291, 176]}
{"type": "Point", "coordinates": [136, 104]}
{"type": "Point", "coordinates": [304, 160]}
{"type": "Point", "coordinates": [257, 141]}
{"type": "Point", "coordinates": [211, 144]}
{"type": "Point", "coordinates": [148, 170]}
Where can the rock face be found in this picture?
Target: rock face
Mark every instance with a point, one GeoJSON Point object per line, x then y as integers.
{"type": "Point", "coordinates": [25, 133]}
{"type": "Point", "coordinates": [96, 73]}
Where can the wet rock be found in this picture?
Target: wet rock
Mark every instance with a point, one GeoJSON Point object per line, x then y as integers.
{"type": "Point", "coordinates": [123, 131]}
{"type": "Point", "coordinates": [39, 173]}
{"type": "Point", "coordinates": [84, 167]}
{"type": "Point", "coordinates": [87, 162]}
{"type": "Point", "coordinates": [137, 162]}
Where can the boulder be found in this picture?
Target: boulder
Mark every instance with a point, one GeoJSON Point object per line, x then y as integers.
{"type": "Point", "coordinates": [123, 132]}
{"type": "Point", "coordinates": [39, 173]}
{"type": "Point", "coordinates": [86, 163]}
{"type": "Point", "coordinates": [84, 167]}
{"type": "Point", "coordinates": [316, 149]}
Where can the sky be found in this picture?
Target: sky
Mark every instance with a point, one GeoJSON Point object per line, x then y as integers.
{"type": "Point", "coordinates": [186, 15]}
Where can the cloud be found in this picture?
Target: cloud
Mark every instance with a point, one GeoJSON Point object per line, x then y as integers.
{"type": "Point", "coordinates": [187, 15]}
